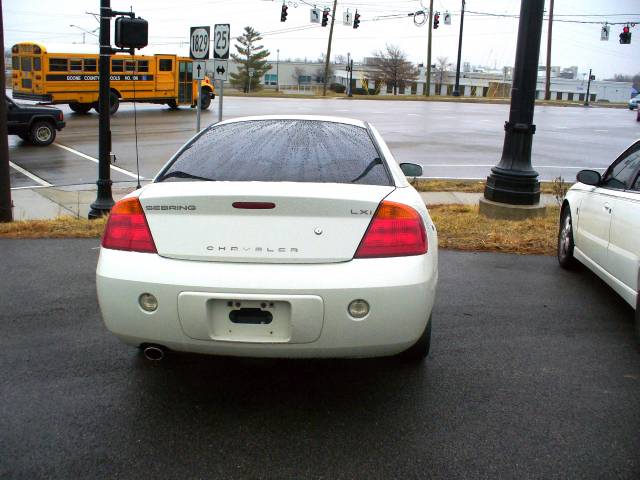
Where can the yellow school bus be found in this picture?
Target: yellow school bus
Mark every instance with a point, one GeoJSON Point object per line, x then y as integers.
{"type": "Point", "coordinates": [72, 78]}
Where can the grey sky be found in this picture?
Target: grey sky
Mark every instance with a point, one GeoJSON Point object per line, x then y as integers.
{"type": "Point", "coordinates": [488, 40]}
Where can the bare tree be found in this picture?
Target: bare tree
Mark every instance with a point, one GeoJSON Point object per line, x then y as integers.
{"type": "Point", "coordinates": [340, 59]}
{"type": "Point", "coordinates": [298, 73]}
{"type": "Point", "coordinates": [391, 67]}
{"type": "Point", "coordinates": [442, 67]}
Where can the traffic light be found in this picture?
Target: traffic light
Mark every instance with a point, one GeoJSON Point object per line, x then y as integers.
{"type": "Point", "coordinates": [436, 20]}
{"type": "Point", "coordinates": [283, 14]}
{"type": "Point", "coordinates": [625, 36]}
{"type": "Point", "coordinates": [325, 17]}
{"type": "Point", "coordinates": [356, 20]}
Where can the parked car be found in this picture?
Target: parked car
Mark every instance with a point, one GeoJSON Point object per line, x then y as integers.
{"type": "Point", "coordinates": [281, 236]}
{"type": "Point", "coordinates": [34, 124]}
{"type": "Point", "coordinates": [633, 103]}
{"type": "Point", "coordinates": [600, 226]}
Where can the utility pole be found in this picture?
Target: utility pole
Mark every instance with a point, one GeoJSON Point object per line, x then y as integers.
{"type": "Point", "coordinates": [278, 70]}
{"type": "Point", "coordinates": [512, 190]}
{"type": "Point", "coordinates": [326, 65]}
{"type": "Point", "coordinates": [6, 215]}
{"type": "Point", "coordinates": [427, 91]}
{"type": "Point", "coordinates": [104, 200]}
{"type": "Point", "coordinates": [547, 86]}
{"type": "Point", "coordinates": [456, 90]}
{"type": "Point", "coordinates": [586, 100]}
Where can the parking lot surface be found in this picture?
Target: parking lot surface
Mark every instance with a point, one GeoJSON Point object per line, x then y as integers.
{"type": "Point", "coordinates": [534, 373]}
{"type": "Point", "coordinates": [451, 140]}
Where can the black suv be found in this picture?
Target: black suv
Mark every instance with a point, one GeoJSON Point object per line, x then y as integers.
{"type": "Point", "coordinates": [34, 124]}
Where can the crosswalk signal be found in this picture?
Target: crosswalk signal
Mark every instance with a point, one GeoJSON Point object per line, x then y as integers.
{"type": "Point", "coordinates": [283, 14]}
{"type": "Point", "coordinates": [356, 20]}
{"type": "Point", "coordinates": [325, 17]}
{"type": "Point", "coordinates": [436, 20]}
{"type": "Point", "coordinates": [625, 36]}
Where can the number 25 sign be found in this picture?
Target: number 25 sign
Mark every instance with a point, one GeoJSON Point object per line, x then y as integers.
{"type": "Point", "coordinates": [199, 44]}
{"type": "Point", "coordinates": [221, 41]}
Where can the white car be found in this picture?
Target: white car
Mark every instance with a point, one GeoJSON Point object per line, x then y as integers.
{"type": "Point", "coordinates": [278, 236]}
{"type": "Point", "coordinates": [633, 103]}
{"type": "Point", "coordinates": [600, 226]}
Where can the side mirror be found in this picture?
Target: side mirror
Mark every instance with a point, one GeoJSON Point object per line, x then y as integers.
{"type": "Point", "coordinates": [411, 169]}
{"type": "Point", "coordinates": [589, 177]}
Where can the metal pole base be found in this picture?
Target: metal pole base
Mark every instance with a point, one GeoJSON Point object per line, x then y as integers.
{"type": "Point", "coordinates": [455, 93]}
{"type": "Point", "coordinates": [104, 201]}
{"type": "Point", "coordinates": [513, 187]}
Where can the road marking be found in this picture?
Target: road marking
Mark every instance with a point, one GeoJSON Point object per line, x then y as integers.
{"type": "Point", "coordinates": [560, 128]}
{"type": "Point", "coordinates": [95, 160]}
{"type": "Point", "coordinates": [414, 114]}
{"type": "Point", "coordinates": [343, 110]}
{"type": "Point", "coordinates": [35, 178]}
{"type": "Point", "coordinates": [602, 131]}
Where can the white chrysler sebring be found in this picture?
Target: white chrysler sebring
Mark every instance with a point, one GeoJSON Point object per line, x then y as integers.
{"type": "Point", "coordinates": [600, 226]}
{"type": "Point", "coordinates": [273, 237]}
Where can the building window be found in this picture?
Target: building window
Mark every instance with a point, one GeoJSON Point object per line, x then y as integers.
{"type": "Point", "coordinates": [271, 79]}
{"type": "Point", "coordinates": [304, 79]}
{"type": "Point", "coordinates": [58, 64]}
{"type": "Point", "coordinates": [89, 64]}
{"type": "Point", "coordinates": [570, 96]}
{"type": "Point", "coordinates": [581, 97]}
{"type": "Point", "coordinates": [414, 88]}
{"type": "Point", "coordinates": [75, 65]}
{"type": "Point", "coordinates": [389, 88]}
{"type": "Point", "coordinates": [592, 97]}
{"type": "Point", "coordinates": [166, 65]}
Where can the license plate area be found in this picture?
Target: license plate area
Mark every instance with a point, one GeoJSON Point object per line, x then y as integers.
{"type": "Point", "coordinates": [253, 318]}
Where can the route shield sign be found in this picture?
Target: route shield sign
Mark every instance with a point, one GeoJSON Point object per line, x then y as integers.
{"type": "Point", "coordinates": [221, 41]}
{"type": "Point", "coordinates": [199, 43]}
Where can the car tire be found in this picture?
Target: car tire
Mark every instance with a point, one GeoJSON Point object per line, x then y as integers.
{"type": "Point", "coordinates": [80, 108]}
{"type": "Point", "coordinates": [206, 98]}
{"type": "Point", "coordinates": [173, 105]}
{"type": "Point", "coordinates": [565, 240]}
{"type": "Point", "coordinates": [42, 133]}
{"type": "Point", "coordinates": [419, 350]}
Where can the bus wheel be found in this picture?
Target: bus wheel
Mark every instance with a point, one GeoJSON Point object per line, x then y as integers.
{"type": "Point", "coordinates": [173, 105]}
{"type": "Point", "coordinates": [114, 103]}
{"type": "Point", "coordinates": [206, 98]}
{"type": "Point", "coordinates": [81, 108]}
{"type": "Point", "coordinates": [42, 133]}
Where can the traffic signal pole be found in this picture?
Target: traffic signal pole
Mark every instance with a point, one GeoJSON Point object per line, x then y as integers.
{"type": "Point", "coordinates": [427, 90]}
{"type": "Point", "coordinates": [586, 99]}
{"type": "Point", "coordinates": [456, 90]}
{"type": "Point", "coordinates": [326, 64]}
{"type": "Point", "coordinates": [512, 189]}
{"type": "Point", "coordinates": [6, 215]}
{"type": "Point", "coordinates": [547, 85]}
{"type": "Point", "coordinates": [104, 199]}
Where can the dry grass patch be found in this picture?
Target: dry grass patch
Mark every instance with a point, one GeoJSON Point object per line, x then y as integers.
{"type": "Point", "coordinates": [461, 227]}
{"type": "Point", "coordinates": [61, 227]}
{"type": "Point", "coordinates": [469, 186]}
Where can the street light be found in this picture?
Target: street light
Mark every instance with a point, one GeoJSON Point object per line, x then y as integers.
{"type": "Point", "coordinates": [85, 31]}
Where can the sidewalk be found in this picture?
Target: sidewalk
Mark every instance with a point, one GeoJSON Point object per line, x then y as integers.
{"type": "Point", "coordinates": [51, 202]}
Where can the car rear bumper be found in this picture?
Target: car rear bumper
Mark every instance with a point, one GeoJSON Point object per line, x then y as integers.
{"type": "Point", "coordinates": [310, 301]}
{"type": "Point", "coordinates": [60, 125]}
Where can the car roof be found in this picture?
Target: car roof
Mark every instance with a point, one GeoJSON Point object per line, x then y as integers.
{"type": "Point", "coordinates": [317, 118]}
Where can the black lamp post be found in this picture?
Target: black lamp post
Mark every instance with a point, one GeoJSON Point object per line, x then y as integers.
{"type": "Point", "coordinates": [513, 181]}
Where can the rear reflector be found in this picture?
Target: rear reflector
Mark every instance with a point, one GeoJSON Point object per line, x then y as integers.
{"type": "Point", "coordinates": [254, 205]}
{"type": "Point", "coordinates": [396, 230]}
{"type": "Point", "coordinates": [127, 228]}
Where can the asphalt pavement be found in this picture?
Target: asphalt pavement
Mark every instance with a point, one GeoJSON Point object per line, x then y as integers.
{"type": "Point", "coordinates": [534, 373]}
{"type": "Point", "coordinates": [450, 139]}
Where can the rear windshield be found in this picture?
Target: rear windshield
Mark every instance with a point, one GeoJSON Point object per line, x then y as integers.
{"type": "Point", "coordinates": [281, 151]}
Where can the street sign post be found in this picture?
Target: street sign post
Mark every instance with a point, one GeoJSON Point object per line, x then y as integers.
{"type": "Point", "coordinates": [199, 50]}
{"type": "Point", "coordinates": [221, 43]}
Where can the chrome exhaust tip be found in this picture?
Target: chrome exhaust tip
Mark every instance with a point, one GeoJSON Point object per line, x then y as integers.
{"type": "Point", "coordinates": [153, 353]}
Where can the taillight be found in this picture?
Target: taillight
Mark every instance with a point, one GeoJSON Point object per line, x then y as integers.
{"type": "Point", "coordinates": [61, 116]}
{"type": "Point", "coordinates": [127, 228]}
{"type": "Point", "coordinates": [396, 230]}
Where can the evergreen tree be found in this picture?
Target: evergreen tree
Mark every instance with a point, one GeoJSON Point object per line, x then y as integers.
{"type": "Point", "coordinates": [250, 55]}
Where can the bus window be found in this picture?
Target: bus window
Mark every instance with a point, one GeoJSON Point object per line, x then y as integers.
{"type": "Point", "coordinates": [25, 64]}
{"type": "Point", "coordinates": [143, 65]}
{"type": "Point", "coordinates": [117, 66]}
{"type": "Point", "coordinates": [130, 66]}
{"type": "Point", "coordinates": [166, 64]}
{"type": "Point", "coordinates": [15, 62]}
{"type": "Point", "coordinates": [58, 64]}
{"type": "Point", "coordinates": [89, 64]}
{"type": "Point", "coordinates": [75, 65]}
{"type": "Point", "coordinates": [36, 64]}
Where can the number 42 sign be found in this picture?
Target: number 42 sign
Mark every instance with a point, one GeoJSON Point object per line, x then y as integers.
{"type": "Point", "coordinates": [221, 34]}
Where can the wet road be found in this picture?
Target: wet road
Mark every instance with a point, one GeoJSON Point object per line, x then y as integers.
{"type": "Point", "coordinates": [531, 375]}
{"type": "Point", "coordinates": [451, 140]}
